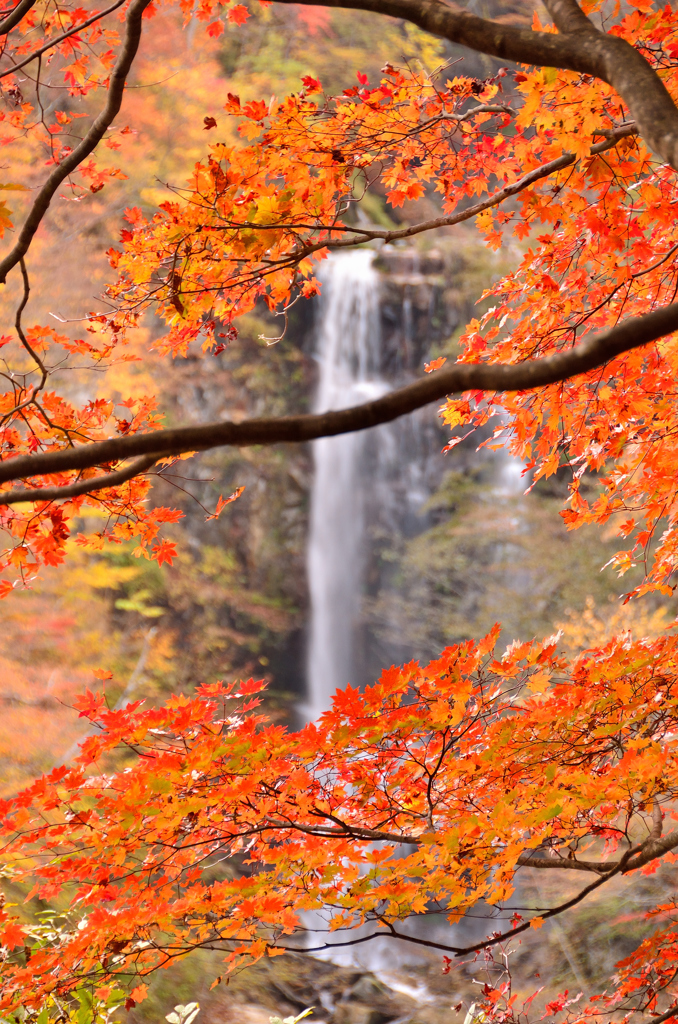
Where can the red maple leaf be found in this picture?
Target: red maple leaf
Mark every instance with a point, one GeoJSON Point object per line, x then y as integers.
{"type": "Point", "coordinates": [164, 551]}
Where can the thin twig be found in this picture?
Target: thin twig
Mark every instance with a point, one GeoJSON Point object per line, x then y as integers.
{"type": "Point", "coordinates": [60, 39]}
{"type": "Point", "coordinates": [92, 138]}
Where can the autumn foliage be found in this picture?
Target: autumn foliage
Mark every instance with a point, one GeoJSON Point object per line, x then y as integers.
{"type": "Point", "coordinates": [458, 771]}
{"type": "Point", "coordinates": [428, 792]}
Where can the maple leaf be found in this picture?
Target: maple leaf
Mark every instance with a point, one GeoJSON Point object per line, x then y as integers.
{"type": "Point", "coordinates": [223, 502]}
{"type": "Point", "coordinates": [164, 551]}
{"type": "Point", "coordinates": [256, 110]}
{"type": "Point", "coordinates": [139, 993]}
{"type": "Point", "coordinates": [251, 686]}
{"type": "Point", "coordinates": [13, 935]}
{"type": "Point", "coordinates": [311, 84]}
{"type": "Point", "coordinates": [238, 14]}
{"type": "Point", "coordinates": [88, 704]}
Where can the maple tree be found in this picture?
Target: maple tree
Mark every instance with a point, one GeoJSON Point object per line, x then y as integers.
{"type": "Point", "coordinates": [428, 792]}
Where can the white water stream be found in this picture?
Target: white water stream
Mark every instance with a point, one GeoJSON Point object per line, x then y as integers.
{"type": "Point", "coordinates": [348, 353]}
{"type": "Point", "coordinates": [348, 345]}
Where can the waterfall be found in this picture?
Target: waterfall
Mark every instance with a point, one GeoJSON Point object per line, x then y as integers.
{"type": "Point", "coordinates": [348, 354]}
{"type": "Point", "coordinates": [371, 481]}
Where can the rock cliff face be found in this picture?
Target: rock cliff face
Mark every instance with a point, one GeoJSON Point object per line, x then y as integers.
{"type": "Point", "coordinates": [241, 601]}
{"type": "Point", "coordinates": [415, 311]}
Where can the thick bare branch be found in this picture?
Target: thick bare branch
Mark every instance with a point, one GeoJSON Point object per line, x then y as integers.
{"type": "Point", "coordinates": [89, 142]}
{"type": "Point", "coordinates": [653, 847]}
{"type": "Point", "coordinates": [657, 820]}
{"type": "Point", "coordinates": [15, 16]}
{"type": "Point", "coordinates": [667, 1015]}
{"type": "Point", "coordinates": [120, 476]}
{"type": "Point", "coordinates": [651, 850]}
{"type": "Point", "coordinates": [530, 860]}
{"type": "Point", "coordinates": [593, 351]}
{"type": "Point", "coordinates": [568, 16]}
{"type": "Point", "coordinates": [578, 46]}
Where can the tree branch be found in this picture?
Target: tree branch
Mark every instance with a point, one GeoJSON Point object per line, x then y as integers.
{"type": "Point", "coordinates": [120, 476]}
{"type": "Point", "coordinates": [653, 847]}
{"type": "Point", "coordinates": [60, 39]}
{"type": "Point", "coordinates": [634, 858]}
{"type": "Point", "coordinates": [496, 937]}
{"type": "Point", "coordinates": [619, 868]}
{"type": "Point", "coordinates": [530, 860]}
{"type": "Point", "coordinates": [15, 16]}
{"type": "Point", "coordinates": [673, 1012]}
{"type": "Point", "coordinates": [578, 46]}
{"type": "Point", "coordinates": [367, 835]}
{"type": "Point", "coordinates": [650, 850]}
{"type": "Point", "coordinates": [89, 142]}
{"type": "Point", "coordinates": [593, 351]}
{"type": "Point", "coordinates": [568, 16]}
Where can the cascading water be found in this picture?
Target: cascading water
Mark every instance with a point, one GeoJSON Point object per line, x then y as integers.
{"type": "Point", "coordinates": [348, 353]}
{"type": "Point", "coordinates": [363, 482]}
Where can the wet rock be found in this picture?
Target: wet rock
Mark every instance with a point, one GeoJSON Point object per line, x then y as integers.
{"type": "Point", "coordinates": [368, 988]}
{"type": "Point", "coordinates": [361, 1013]}
{"type": "Point", "coordinates": [370, 1001]}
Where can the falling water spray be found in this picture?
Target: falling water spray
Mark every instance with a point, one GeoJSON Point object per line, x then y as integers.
{"type": "Point", "coordinates": [348, 353]}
